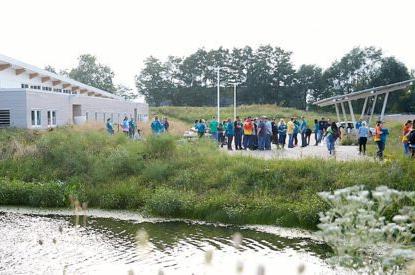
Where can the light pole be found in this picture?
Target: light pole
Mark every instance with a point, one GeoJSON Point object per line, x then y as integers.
{"type": "Point", "coordinates": [234, 101]}
{"type": "Point", "coordinates": [218, 93]}
{"type": "Point", "coordinates": [218, 90]}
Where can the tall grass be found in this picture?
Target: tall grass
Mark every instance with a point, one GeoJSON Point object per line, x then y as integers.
{"type": "Point", "coordinates": [163, 177]}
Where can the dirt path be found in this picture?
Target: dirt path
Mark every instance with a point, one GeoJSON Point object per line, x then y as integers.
{"type": "Point", "coordinates": [343, 153]}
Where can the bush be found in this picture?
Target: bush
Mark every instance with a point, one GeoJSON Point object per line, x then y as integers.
{"type": "Point", "coordinates": [172, 179]}
{"type": "Point", "coordinates": [167, 202]}
{"type": "Point", "coordinates": [160, 146]}
{"type": "Point", "coordinates": [50, 194]}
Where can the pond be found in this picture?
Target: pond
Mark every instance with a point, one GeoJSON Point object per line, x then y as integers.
{"type": "Point", "coordinates": [35, 241]}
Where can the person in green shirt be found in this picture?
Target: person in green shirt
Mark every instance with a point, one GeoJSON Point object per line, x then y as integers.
{"type": "Point", "coordinates": [213, 126]}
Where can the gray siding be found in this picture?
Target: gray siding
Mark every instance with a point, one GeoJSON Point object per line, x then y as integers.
{"type": "Point", "coordinates": [15, 101]}
{"type": "Point", "coordinates": [44, 102]}
{"type": "Point", "coordinates": [21, 102]}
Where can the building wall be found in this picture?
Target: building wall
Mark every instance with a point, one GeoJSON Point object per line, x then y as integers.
{"type": "Point", "coordinates": [21, 103]}
{"type": "Point", "coordinates": [49, 101]}
{"type": "Point", "coordinates": [15, 101]}
{"type": "Point", "coordinates": [105, 108]}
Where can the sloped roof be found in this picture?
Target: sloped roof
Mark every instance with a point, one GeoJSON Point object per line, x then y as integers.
{"type": "Point", "coordinates": [16, 64]}
{"type": "Point", "coordinates": [365, 93]}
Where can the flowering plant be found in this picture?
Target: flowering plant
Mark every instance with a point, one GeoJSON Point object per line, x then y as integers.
{"type": "Point", "coordinates": [362, 234]}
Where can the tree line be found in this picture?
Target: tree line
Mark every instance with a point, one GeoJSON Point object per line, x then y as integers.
{"type": "Point", "coordinates": [267, 75]}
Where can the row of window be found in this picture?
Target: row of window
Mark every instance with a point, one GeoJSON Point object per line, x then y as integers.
{"type": "Point", "coordinates": [120, 117]}
{"type": "Point", "coordinates": [36, 116]}
{"type": "Point", "coordinates": [46, 88]}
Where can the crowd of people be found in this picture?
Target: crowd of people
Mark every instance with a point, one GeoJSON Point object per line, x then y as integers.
{"type": "Point", "coordinates": [160, 126]}
{"type": "Point", "coordinates": [128, 127]}
{"type": "Point", "coordinates": [408, 138]}
{"type": "Point", "coordinates": [259, 133]}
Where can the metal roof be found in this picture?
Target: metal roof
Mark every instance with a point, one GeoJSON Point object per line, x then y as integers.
{"type": "Point", "coordinates": [15, 64]}
{"type": "Point", "coordinates": [365, 93]}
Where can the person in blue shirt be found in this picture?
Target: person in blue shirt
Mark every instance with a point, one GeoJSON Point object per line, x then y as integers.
{"type": "Point", "coordinates": [316, 132]}
{"type": "Point", "coordinates": [125, 126]}
{"type": "Point", "coordinates": [229, 132]}
{"type": "Point", "coordinates": [282, 133]}
{"type": "Point", "coordinates": [296, 131]}
{"type": "Point", "coordinates": [262, 134]}
{"type": "Point", "coordinates": [110, 127]}
{"type": "Point", "coordinates": [380, 137]}
{"type": "Point", "coordinates": [131, 127]}
{"type": "Point", "coordinates": [303, 130]}
{"type": "Point", "coordinates": [156, 126]}
{"type": "Point", "coordinates": [363, 133]}
{"type": "Point", "coordinates": [201, 128]}
{"type": "Point", "coordinates": [238, 129]}
{"type": "Point", "coordinates": [358, 124]}
{"type": "Point", "coordinates": [268, 127]}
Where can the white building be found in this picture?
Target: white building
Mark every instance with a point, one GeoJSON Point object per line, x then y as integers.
{"type": "Point", "coordinates": [34, 98]}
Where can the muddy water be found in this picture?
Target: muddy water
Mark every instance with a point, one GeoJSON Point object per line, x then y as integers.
{"type": "Point", "coordinates": [104, 242]}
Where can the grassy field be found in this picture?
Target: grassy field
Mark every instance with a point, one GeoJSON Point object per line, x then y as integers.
{"type": "Point", "coordinates": [166, 177]}
{"type": "Point", "coordinates": [190, 114]}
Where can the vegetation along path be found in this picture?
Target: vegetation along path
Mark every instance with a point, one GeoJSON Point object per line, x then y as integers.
{"type": "Point", "coordinates": [163, 177]}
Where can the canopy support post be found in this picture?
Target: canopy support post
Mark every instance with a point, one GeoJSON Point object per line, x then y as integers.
{"type": "Point", "coordinates": [382, 115]}
{"type": "Point", "coordinates": [364, 108]}
{"type": "Point", "coordinates": [343, 111]}
{"type": "Point", "coordinates": [373, 109]}
{"type": "Point", "coordinates": [351, 112]}
{"type": "Point", "coordinates": [337, 112]}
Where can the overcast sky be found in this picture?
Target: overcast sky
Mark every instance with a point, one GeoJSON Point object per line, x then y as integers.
{"type": "Point", "coordinates": [122, 33]}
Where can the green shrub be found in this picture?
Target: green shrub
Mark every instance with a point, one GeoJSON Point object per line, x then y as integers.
{"type": "Point", "coordinates": [173, 179]}
{"type": "Point", "coordinates": [160, 146]}
{"type": "Point", "coordinates": [168, 202]}
{"type": "Point", "coordinates": [50, 194]}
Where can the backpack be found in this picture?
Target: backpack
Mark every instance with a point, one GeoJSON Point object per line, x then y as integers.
{"type": "Point", "coordinates": [411, 137]}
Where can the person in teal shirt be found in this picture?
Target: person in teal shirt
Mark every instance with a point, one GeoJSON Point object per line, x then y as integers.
{"type": "Point", "coordinates": [229, 132]}
{"type": "Point", "coordinates": [296, 131]}
{"type": "Point", "coordinates": [213, 126]}
{"type": "Point", "coordinates": [110, 128]}
{"type": "Point", "coordinates": [201, 128]}
{"type": "Point", "coordinates": [303, 131]}
{"type": "Point", "coordinates": [156, 126]}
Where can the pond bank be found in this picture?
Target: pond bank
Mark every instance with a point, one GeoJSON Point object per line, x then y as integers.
{"type": "Point", "coordinates": [166, 178]}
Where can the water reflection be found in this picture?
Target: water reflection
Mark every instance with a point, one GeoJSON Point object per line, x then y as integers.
{"type": "Point", "coordinates": [105, 245]}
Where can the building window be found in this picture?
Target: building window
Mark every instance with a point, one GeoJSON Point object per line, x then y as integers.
{"type": "Point", "coordinates": [57, 90]}
{"type": "Point", "coordinates": [4, 118]}
{"type": "Point", "coordinates": [25, 86]}
{"type": "Point", "coordinates": [36, 118]}
{"type": "Point", "coordinates": [87, 116]}
{"type": "Point", "coordinates": [35, 87]}
{"type": "Point", "coordinates": [96, 116]}
{"type": "Point", "coordinates": [51, 118]}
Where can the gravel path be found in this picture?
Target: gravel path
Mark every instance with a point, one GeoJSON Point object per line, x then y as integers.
{"type": "Point", "coordinates": [343, 153]}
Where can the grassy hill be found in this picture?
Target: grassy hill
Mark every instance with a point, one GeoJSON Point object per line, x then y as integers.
{"type": "Point", "coordinates": [190, 114]}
